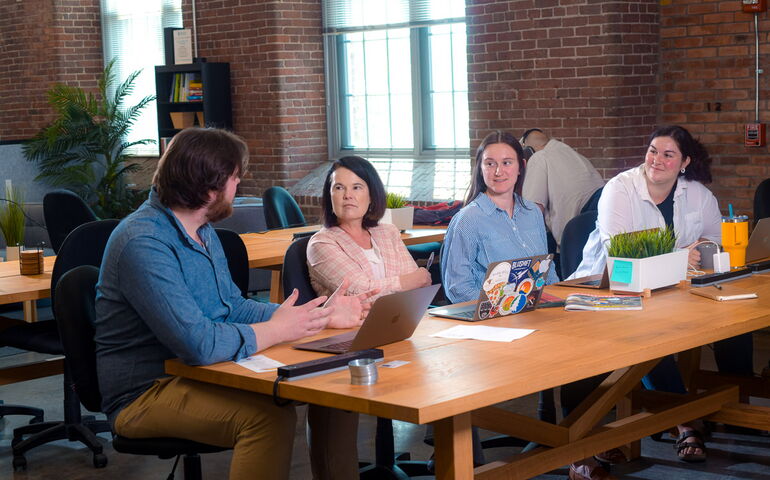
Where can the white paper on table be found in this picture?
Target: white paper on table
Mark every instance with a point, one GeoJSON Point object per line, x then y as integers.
{"type": "Point", "coordinates": [260, 363]}
{"type": "Point", "coordinates": [481, 332]}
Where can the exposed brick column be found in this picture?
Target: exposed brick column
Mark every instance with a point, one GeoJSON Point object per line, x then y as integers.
{"type": "Point", "coordinates": [707, 85]}
{"type": "Point", "coordinates": [42, 43]}
{"type": "Point", "coordinates": [275, 50]}
{"type": "Point", "coordinates": [585, 71]}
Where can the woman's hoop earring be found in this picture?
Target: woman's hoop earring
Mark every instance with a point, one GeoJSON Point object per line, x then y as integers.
{"type": "Point", "coordinates": [682, 170]}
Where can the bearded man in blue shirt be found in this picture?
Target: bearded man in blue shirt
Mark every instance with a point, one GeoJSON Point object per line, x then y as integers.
{"type": "Point", "coordinates": [165, 291]}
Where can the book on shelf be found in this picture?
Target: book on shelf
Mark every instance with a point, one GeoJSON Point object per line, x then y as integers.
{"type": "Point", "coordinates": [581, 301]}
{"type": "Point", "coordinates": [186, 87]}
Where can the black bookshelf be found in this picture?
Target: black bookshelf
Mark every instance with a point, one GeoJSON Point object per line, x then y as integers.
{"type": "Point", "coordinates": [216, 105]}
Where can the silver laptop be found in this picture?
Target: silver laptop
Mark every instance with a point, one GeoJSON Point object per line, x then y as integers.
{"type": "Point", "coordinates": [392, 318]}
{"type": "Point", "coordinates": [510, 286]}
{"type": "Point", "coordinates": [759, 242]}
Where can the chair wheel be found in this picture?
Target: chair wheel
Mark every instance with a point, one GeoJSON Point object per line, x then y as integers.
{"type": "Point", "coordinates": [19, 463]}
{"type": "Point", "coordinates": [100, 460]}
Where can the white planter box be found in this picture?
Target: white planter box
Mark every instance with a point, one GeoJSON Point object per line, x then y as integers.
{"type": "Point", "coordinates": [400, 217]}
{"type": "Point", "coordinates": [652, 272]}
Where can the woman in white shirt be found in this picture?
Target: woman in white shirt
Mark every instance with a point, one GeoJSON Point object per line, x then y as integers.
{"type": "Point", "coordinates": [668, 190]}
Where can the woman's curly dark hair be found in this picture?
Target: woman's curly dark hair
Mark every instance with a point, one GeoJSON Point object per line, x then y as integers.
{"type": "Point", "coordinates": [699, 168]}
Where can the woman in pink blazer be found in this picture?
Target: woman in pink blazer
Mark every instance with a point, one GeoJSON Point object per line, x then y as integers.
{"type": "Point", "coordinates": [352, 244]}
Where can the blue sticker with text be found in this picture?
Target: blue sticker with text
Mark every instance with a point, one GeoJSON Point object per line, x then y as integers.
{"type": "Point", "coordinates": [622, 271]}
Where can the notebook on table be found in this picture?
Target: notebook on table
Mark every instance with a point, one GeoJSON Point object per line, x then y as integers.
{"type": "Point", "coordinates": [510, 286]}
{"type": "Point", "coordinates": [392, 318]}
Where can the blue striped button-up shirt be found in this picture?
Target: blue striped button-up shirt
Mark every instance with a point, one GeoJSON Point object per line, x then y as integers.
{"type": "Point", "coordinates": [482, 233]}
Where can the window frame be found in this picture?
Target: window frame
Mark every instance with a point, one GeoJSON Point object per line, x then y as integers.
{"type": "Point", "coordinates": [422, 111]}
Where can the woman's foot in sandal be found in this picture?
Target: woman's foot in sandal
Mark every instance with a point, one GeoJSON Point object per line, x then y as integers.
{"type": "Point", "coordinates": [689, 445]}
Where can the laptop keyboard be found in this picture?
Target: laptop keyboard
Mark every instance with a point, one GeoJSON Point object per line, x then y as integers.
{"type": "Point", "coordinates": [341, 345]}
{"type": "Point", "coordinates": [465, 313]}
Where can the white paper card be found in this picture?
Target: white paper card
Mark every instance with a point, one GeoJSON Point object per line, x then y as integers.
{"type": "Point", "coordinates": [183, 46]}
{"type": "Point", "coordinates": [260, 363]}
{"type": "Point", "coordinates": [394, 364]}
{"type": "Point", "coordinates": [481, 332]}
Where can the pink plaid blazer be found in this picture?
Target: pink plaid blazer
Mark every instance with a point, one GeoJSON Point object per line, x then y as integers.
{"type": "Point", "coordinates": [333, 256]}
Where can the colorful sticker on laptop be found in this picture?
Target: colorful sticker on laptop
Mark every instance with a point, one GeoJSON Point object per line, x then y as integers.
{"type": "Point", "coordinates": [519, 303]}
{"type": "Point", "coordinates": [519, 268]}
{"type": "Point", "coordinates": [484, 308]}
{"type": "Point", "coordinates": [507, 304]}
{"type": "Point", "coordinates": [525, 286]}
{"type": "Point", "coordinates": [545, 264]}
{"type": "Point", "coordinates": [493, 285]}
{"type": "Point", "coordinates": [539, 282]}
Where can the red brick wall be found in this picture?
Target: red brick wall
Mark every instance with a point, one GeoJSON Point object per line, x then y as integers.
{"type": "Point", "coordinates": [275, 50]}
{"type": "Point", "coordinates": [42, 43]}
{"type": "Point", "coordinates": [707, 84]}
{"type": "Point", "coordinates": [584, 71]}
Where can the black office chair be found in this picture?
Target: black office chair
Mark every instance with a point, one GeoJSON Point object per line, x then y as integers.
{"type": "Point", "coordinates": [573, 239]}
{"type": "Point", "coordinates": [75, 315]}
{"type": "Point", "coordinates": [387, 464]}
{"type": "Point", "coordinates": [762, 200]}
{"type": "Point", "coordinates": [63, 211]}
{"type": "Point", "coordinates": [237, 258]}
{"type": "Point", "coordinates": [83, 246]}
{"type": "Point", "coordinates": [281, 210]}
{"type": "Point", "coordinates": [593, 201]}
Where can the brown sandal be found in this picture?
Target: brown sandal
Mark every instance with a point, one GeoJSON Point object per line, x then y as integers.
{"type": "Point", "coordinates": [613, 456]}
{"type": "Point", "coordinates": [696, 441]}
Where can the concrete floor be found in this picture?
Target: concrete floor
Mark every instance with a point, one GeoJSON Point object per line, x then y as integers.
{"type": "Point", "coordinates": [731, 455]}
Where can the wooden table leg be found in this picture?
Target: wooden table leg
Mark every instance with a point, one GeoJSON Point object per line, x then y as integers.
{"type": "Point", "coordinates": [30, 311]}
{"type": "Point", "coordinates": [276, 287]}
{"type": "Point", "coordinates": [454, 452]}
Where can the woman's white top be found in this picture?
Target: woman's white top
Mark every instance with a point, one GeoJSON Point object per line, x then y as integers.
{"type": "Point", "coordinates": [626, 206]}
{"type": "Point", "coordinates": [375, 259]}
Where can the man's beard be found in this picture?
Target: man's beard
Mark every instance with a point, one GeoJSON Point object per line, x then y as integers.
{"type": "Point", "coordinates": [219, 208]}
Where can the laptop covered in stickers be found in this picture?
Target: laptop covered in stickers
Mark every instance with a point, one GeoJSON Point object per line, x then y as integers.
{"type": "Point", "coordinates": [509, 287]}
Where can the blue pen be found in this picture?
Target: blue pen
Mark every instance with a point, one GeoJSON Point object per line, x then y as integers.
{"type": "Point", "coordinates": [730, 209]}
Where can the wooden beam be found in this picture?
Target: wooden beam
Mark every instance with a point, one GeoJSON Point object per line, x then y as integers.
{"type": "Point", "coordinates": [543, 459]}
{"type": "Point", "coordinates": [607, 395]}
{"type": "Point", "coordinates": [31, 371]}
{"type": "Point", "coordinates": [743, 415]}
{"type": "Point", "coordinates": [520, 426]}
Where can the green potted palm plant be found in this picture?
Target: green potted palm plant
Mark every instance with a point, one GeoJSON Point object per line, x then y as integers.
{"type": "Point", "coordinates": [647, 259]}
{"type": "Point", "coordinates": [84, 148]}
{"type": "Point", "coordinates": [12, 221]}
{"type": "Point", "coordinates": [396, 211]}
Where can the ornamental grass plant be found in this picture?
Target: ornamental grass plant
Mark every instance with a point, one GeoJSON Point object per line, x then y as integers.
{"type": "Point", "coordinates": [12, 216]}
{"type": "Point", "coordinates": [642, 244]}
{"type": "Point", "coordinates": [394, 200]}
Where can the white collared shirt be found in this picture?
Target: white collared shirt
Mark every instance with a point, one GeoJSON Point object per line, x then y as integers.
{"type": "Point", "coordinates": [626, 206]}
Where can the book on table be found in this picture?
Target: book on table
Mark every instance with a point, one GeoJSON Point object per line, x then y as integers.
{"type": "Point", "coordinates": [581, 301]}
{"type": "Point", "coordinates": [723, 293]}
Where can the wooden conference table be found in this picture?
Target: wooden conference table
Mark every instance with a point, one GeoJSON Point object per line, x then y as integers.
{"type": "Point", "coordinates": [456, 383]}
{"type": "Point", "coordinates": [266, 249]}
{"type": "Point", "coordinates": [15, 287]}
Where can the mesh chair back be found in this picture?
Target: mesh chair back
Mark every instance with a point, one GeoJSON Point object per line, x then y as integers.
{"type": "Point", "coordinates": [83, 246]}
{"type": "Point", "coordinates": [762, 200]}
{"type": "Point", "coordinates": [237, 258]}
{"type": "Point", "coordinates": [593, 201]}
{"type": "Point", "coordinates": [295, 271]}
{"type": "Point", "coordinates": [63, 212]}
{"type": "Point", "coordinates": [573, 239]}
{"type": "Point", "coordinates": [75, 316]}
{"type": "Point", "coordinates": [281, 210]}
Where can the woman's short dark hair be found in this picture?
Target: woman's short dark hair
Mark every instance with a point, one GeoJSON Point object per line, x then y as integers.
{"type": "Point", "coordinates": [366, 172]}
{"type": "Point", "coordinates": [477, 178]}
{"type": "Point", "coordinates": [699, 168]}
{"type": "Point", "coordinates": [198, 161]}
